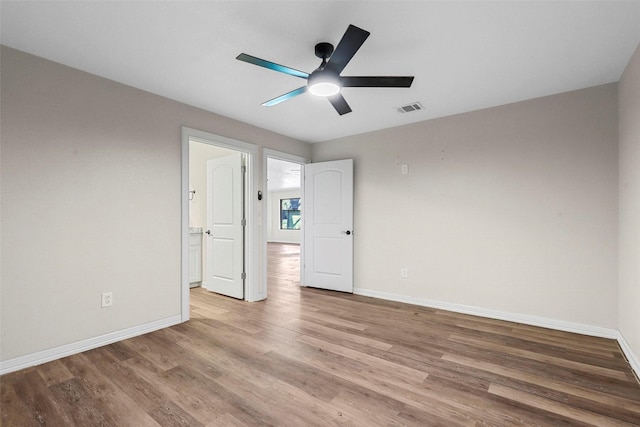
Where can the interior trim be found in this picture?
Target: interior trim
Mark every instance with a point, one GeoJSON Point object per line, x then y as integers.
{"type": "Point", "coordinates": [628, 353]}
{"type": "Point", "coordinates": [40, 357]}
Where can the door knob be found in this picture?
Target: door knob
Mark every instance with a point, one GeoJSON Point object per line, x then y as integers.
{"type": "Point", "coordinates": [348, 232]}
{"type": "Point", "coordinates": [208, 232]}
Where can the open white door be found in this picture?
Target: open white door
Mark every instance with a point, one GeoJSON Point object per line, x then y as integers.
{"type": "Point", "coordinates": [328, 225]}
{"type": "Point", "coordinates": [225, 226]}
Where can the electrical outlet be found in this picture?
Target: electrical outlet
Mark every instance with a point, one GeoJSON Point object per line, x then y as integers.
{"type": "Point", "coordinates": [404, 169]}
{"type": "Point", "coordinates": [404, 273]}
{"type": "Point", "coordinates": [107, 299]}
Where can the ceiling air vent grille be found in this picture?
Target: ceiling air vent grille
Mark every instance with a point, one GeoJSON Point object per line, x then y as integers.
{"type": "Point", "coordinates": [415, 106]}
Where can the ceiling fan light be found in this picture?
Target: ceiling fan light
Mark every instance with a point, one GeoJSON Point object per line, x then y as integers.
{"type": "Point", "coordinates": [324, 89]}
{"type": "Point", "coordinates": [322, 83]}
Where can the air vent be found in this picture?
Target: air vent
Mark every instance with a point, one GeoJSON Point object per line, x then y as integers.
{"type": "Point", "coordinates": [415, 106]}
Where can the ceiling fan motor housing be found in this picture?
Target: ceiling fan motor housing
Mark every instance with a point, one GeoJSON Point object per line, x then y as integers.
{"type": "Point", "coordinates": [324, 50]}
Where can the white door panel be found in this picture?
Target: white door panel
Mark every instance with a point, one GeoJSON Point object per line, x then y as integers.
{"type": "Point", "coordinates": [225, 230]}
{"type": "Point", "coordinates": [328, 225]}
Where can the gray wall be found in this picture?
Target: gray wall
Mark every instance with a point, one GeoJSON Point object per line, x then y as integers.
{"type": "Point", "coordinates": [512, 208]}
{"type": "Point", "coordinates": [629, 134]}
{"type": "Point", "coordinates": [90, 174]}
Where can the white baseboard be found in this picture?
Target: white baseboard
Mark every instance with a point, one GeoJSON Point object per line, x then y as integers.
{"type": "Point", "coordinates": [44, 356]}
{"type": "Point", "coordinates": [631, 358]}
{"type": "Point", "coordinates": [543, 322]}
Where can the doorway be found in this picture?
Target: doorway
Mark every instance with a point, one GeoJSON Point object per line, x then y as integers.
{"type": "Point", "coordinates": [284, 206]}
{"type": "Point", "coordinates": [198, 148]}
{"type": "Point", "coordinates": [284, 220]}
{"type": "Point", "coordinates": [216, 214]}
{"type": "Point", "coordinates": [326, 240]}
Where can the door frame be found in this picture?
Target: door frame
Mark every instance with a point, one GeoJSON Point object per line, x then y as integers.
{"type": "Point", "coordinates": [292, 158]}
{"type": "Point", "coordinates": [252, 257]}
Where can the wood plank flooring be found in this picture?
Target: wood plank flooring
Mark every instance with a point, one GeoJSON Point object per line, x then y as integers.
{"type": "Point", "coordinates": [307, 357]}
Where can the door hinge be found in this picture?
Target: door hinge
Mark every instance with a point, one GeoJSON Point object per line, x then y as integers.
{"type": "Point", "coordinates": [243, 169]}
{"type": "Point", "coordinates": [243, 222]}
{"type": "Point", "coordinates": [243, 276]}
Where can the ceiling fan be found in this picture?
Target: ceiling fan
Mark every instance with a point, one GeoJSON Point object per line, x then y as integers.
{"type": "Point", "coordinates": [326, 80]}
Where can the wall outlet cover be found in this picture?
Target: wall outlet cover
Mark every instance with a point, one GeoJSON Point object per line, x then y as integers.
{"type": "Point", "coordinates": [107, 299]}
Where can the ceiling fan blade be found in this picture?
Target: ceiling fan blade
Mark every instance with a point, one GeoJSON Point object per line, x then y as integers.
{"type": "Point", "coordinates": [339, 103]}
{"type": "Point", "coordinates": [347, 47]}
{"type": "Point", "coordinates": [272, 66]}
{"type": "Point", "coordinates": [376, 81]}
{"type": "Point", "coordinates": [284, 97]}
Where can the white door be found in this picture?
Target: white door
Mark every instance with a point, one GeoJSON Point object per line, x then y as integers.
{"type": "Point", "coordinates": [328, 225]}
{"type": "Point", "coordinates": [225, 226]}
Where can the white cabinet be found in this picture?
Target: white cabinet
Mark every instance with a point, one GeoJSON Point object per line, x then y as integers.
{"type": "Point", "coordinates": [195, 257]}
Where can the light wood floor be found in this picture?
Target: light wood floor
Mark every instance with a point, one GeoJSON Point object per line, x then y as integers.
{"type": "Point", "coordinates": [309, 357]}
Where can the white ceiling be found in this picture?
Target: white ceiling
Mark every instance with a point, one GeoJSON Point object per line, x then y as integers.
{"type": "Point", "coordinates": [464, 55]}
{"type": "Point", "coordinates": [282, 175]}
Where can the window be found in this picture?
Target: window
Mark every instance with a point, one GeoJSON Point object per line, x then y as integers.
{"type": "Point", "coordinates": [290, 214]}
